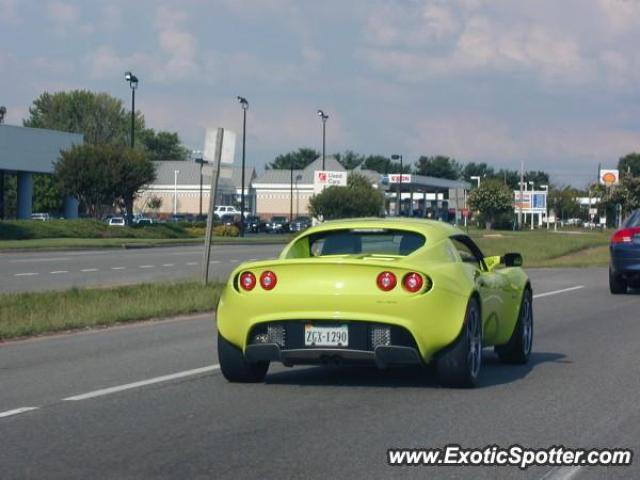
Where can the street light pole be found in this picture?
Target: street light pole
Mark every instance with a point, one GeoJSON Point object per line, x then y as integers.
{"type": "Point", "coordinates": [245, 105]}
{"type": "Point", "coordinates": [133, 83]}
{"type": "Point", "coordinates": [175, 191]}
{"type": "Point", "coordinates": [399, 201]}
{"type": "Point", "coordinates": [323, 117]}
{"type": "Point", "coordinates": [197, 157]}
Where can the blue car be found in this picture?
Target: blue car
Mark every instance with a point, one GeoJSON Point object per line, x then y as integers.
{"type": "Point", "coordinates": [624, 267]}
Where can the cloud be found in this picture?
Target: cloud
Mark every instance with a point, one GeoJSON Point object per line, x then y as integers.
{"type": "Point", "coordinates": [178, 45]}
{"type": "Point", "coordinates": [63, 13]}
{"type": "Point", "coordinates": [9, 11]}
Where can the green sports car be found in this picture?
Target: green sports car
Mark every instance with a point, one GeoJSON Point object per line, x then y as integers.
{"type": "Point", "coordinates": [376, 291]}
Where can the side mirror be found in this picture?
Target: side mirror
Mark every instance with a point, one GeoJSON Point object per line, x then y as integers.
{"type": "Point", "coordinates": [492, 262]}
{"type": "Point", "coordinates": [512, 260]}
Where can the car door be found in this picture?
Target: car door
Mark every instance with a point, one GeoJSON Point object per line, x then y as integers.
{"type": "Point", "coordinates": [489, 284]}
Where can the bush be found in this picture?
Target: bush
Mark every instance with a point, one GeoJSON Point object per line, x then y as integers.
{"type": "Point", "coordinates": [226, 231]}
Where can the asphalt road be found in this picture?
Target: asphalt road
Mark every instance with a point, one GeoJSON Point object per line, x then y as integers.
{"type": "Point", "coordinates": [21, 272]}
{"type": "Point", "coordinates": [103, 406]}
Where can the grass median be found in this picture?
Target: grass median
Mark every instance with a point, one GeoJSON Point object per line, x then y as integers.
{"type": "Point", "coordinates": [29, 314]}
{"type": "Point", "coordinates": [546, 248]}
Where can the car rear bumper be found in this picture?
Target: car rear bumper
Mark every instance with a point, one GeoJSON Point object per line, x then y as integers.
{"type": "Point", "coordinates": [381, 356]}
{"type": "Point", "coordinates": [625, 260]}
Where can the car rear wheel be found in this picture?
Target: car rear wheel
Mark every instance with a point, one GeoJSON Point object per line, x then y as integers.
{"type": "Point", "coordinates": [458, 365]}
{"type": "Point", "coordinates": [617, 284]}
{"type": "Point", "coordinates": [518, 349]}
{"type": "Point", "coordinates": [235, 367]}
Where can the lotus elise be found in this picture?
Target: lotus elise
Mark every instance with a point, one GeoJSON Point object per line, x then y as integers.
{"type": "Point", "coordinates": [387, 292]}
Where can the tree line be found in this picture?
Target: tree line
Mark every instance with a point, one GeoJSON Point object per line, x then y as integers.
{"type": "Point", "coordinates": [440, 166]}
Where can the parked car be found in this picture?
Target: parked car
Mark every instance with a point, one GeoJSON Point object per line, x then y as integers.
{"type": "Point", "coordinates": [624, 249]}
{"type": "Point", "coordinates": [43, 217]}
{"type": "Point", "coordinates": [116, 222]}
{"type": "Point", "coordinates": [143, 221]}
{"type": "Point", "coordinates": [226, 210]}
{"type": "Point", "coordinates": [254, 224]}
{"type": "Point", "coordinates": [300, 223]}
{"type": "Point", "coordinates": [379, 292]}
{"type": "Point", "coordinates": [277, 224]}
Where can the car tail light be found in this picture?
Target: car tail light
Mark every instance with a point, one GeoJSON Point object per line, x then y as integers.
{"type": "Point", "coordinates": [386, 281]}
{"type": "Point", "coordinates": [247, 281]}
{"type": "Point", "coordinates": [625, 235]}
{"type": "Point", "coordinates": [412, 282]}
{"type": "Point", "coordinates": [268, 280]}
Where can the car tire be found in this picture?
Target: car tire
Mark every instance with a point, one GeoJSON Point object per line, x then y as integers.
{"type": "Point", "coordinates": [235, 367]}
{"type": "Point", "coordinates": [617, 284]}
{"type": "Point", "coordinates": [458, 365]}
{"type": "Point", "coordinates": [518, 349]}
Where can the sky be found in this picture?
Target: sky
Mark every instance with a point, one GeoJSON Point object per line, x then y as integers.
{"type": "Point", "coordinates": [553, 84]}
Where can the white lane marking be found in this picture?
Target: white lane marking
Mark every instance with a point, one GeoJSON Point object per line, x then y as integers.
{"type": "Point", "coordinates": [147, 266]}
{"type": "Point", "coordinates": [561, 473]}
{"type": "Point", "coordinates": [253, 259]}
{"type": "Point", "coordinates": [25, 274]}
{"type": "Point", "coordinates": [25, 260]}
{"type": "Point", "coordinates": [17, 411]}
{"type": "Point", "coordinates": [55, 272]}
{"type": "Point", "coordinates": [234, 261]}
{"type": "Point", "coordinates": [168, 264]}
{"type": "Point", "coordinates": [556, 292]}
{"type": "Point", "coordinates": [89, 270]}
{"type": "Point", "coordinates": [118, 268]}
{"type": "Point", "coordinates": [193, 263]}
{"type": "Point", "coordinates": [214, 261]}
{"type": "Point", "coordinates": [142, 383]}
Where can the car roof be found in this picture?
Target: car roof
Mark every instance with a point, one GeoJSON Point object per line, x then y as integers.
{"type": "Point", "coordinates": [434, 230]}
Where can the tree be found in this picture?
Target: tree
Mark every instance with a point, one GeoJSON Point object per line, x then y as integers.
{"type": "Point", "coordinates": [380, 164]}
{"type": "Point", "coordinates": [438, 166]}
{"type": "Point", "coordinates": [299, 158]}
{"type": "Point", "coordinates": [630, 164]}
{"type": "Point", "coordinates": [627, 193]}
{"type": "Point", "coordinates": [349, 159]}
{"type": "Point", "coordinates": [131, 169]}
{"type": "Point", "coordinates": [100, 117]}
{"type": "Point", "coordinates": [162, 145]}
{"type": "Point", "coordinates": [538, 177]}
{"type": "Point", "coordinates": [154, 204]}
{"type": "Point", "coordinates": [491, 199]}
{"type": "Point", "coordinates": [473, 169]}
{"type": "Point", "coordinates": [103, 175]}
{"type": "Point", "coordinates": [357, 199]}
{"type": "Point", "coordinates": [564, 202]}
{"type": "Point", "coordinates": [46, 194]}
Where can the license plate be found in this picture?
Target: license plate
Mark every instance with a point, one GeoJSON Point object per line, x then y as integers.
{"type": "Point", "coordinates": [317, 336]}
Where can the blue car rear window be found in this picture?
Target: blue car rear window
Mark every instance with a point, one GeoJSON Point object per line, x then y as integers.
{"type": "Point", "coordinates": [365, 241]}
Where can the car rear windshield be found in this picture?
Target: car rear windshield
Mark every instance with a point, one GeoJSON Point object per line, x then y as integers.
{"type": "Point", "coordinates": [365, 241]}
{"type": "Point", "coordinates": [633, 220]}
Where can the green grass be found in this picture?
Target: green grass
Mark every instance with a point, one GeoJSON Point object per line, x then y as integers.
{"type": "Point", "coordinates": [85, 228]}
{"type": "Point", "coordinates": [543, 248]}
{"type": "Point", "coordinates": [28, 314]}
